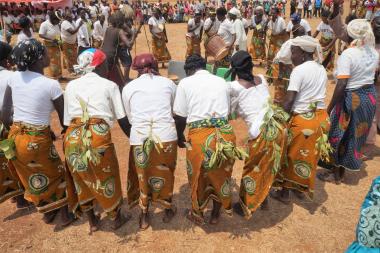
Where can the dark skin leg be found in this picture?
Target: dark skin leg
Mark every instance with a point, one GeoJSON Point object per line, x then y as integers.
{"type": "Point", "coordinates": [21, 202]}
{"type": "Point", "coordinates": [66, 217]}
{"type": "Point", "coordinates": [215, 213]}
{"type": "Point", "coordinates": [144, 220]}
{"type": "Point", "coordinates": [265, 205]}
{"type": "Point", "coordinates": [93, 220]}
{"type": "Point", "coordinates": [49, 217]}
{"type": "Point", "coordinates": [120, 220]}
{"type": "Point", "coordinates": [169, 214]}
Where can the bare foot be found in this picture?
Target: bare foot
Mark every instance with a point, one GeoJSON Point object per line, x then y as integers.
{"type": "Point", "coordinates": [120, 220]}
{"type": "Point", "coordinates": [66, 217]}
{"type": "Point", "coordinates": [282, 196]}
{"type": "Point", "coordinates": [22, 203]}
{"type": "Point", "coordinates": [50, 216]}
{"type": "Point", "coordinates": [144, 221]}
{"type": "Point", "coordinates": [238, 209]}
{"type": "Point", "coordinates": [215, 214]}
{"type": "Point", "coordinates": [197, 220]}
{"type": "Point", "coordinates": [93, 220]}
{"type": "Point", "coordinates": [169, 214]}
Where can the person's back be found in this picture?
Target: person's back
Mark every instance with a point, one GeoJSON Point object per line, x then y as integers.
{"type": "Point", "coordinates": [148, 102]}
{"type": "Point", "coordinates": [202, 96]}
{"type": "Point", "coordinates": [33, 95]}
{"type": "Point", "coordinates": [111, 43]}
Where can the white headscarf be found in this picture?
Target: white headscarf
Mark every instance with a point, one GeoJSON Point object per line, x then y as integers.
{"type": "Point", "coordinates": [310, 45]}
{"type": "Point", "coordinates": [234, 11]}
{"type": "Point", "coordinates": [361, 31]}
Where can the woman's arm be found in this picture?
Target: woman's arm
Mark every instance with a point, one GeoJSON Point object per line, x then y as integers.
{"type": "Point", "coordinates": [6, 111]}
{"type": "Point", "coordinates": [288, 102]}
{"type": "Point", "coordinates": [59, 107]}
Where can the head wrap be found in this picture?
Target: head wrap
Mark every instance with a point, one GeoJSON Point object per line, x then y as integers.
{"type": "Point", "coordinates": [5, 50]}
{"type": "Point", "coordinates": [145, 64]}
{"type": "Point", "coordinates": [88, 60]}
{"type": "Point", "coordinates": [295, 17]}
{"type": "Point", "coordinates": [308, 44]}
{"type": "Point", "coordinates": [241, 64]}
{"type": "Point", "coordinates": [212, 11]}
{"type": "Point", "coordinates": [234, 11]}
{"type": "Point", "coordinates": [361, 31]}
{"type": "Point", "coordinates": [259, 8]}
{"type": "Point", "coordinates": [26, 53]}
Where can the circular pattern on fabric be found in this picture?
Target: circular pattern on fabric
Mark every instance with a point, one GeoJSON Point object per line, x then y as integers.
{"type": "Point", "coordinates": [249, 185]}
{"type": "Point", "coordinates": [38, 183]}
{"type": "Point", "coordinates": [369, 227]}
{"type": "Point", "coordinates": [100, 129]}
{"type": "Point", "coordinates": [302, 169]}
{"type": "Point", "coordinates": [361, 129]}
{"type": "Point", "coordinates": [76, 162]}
{"type": "Point", "coordinates": [53, 154]}
{"type": "Point", "coordinates": [206, 159]}
{"type": "Point", "coordinates": [109, 187]}
{"type": "Point", "coordinates": [271, 134]}
{"type": "Point", "coordinates": [141, 159]}
{"type": "Point", "coordinates": [308, 115]}
{"type": "Point", "coordinates": [156, 183]}
{"type": "Point", "coordinates": [355, 101]}
{"type": "Point", "coordinates": [225, 190]}
{"type": "Point", "coordinates": [189, 168]}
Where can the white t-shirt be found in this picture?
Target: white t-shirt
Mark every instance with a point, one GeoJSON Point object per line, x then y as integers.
{"type": "Point", "coordinates": [278, 26]}
{"type": "Point", "coordinates": [99, 30]}
{"type": "Point", "coordinates": [241, 36]}
{"type": "Point", "coordinates": [215, 26]}
{"type": "Point", "coordinates": [156, 24]}
{"type": "Point", "coordinates": [83, 35]}
{"type": "Point", "coordinates": [148, 101]}
{"type": "Point", "coordinates": [4, 76]}
{"type": "Point", "coordinates": [245, 23]}
{"type": "Point", "coordinates": [105, 10]}
{"type": "Point", "coordinates": [358, 65]}
{"type": "Point", "coordinates": [309, 80]}
{"type": "Point", "coordinates": [101, 95]}
{"type": "Point", "coordinates": [93, 11]}
{"type": "Point", "coordinates": [252, 113]}
{"type": "Point", "coordinates": [226, 31]}
{"type": "Point", "coordinates": [65, 35]}
{"type": "Point", "coordinates": [49, 30]}
{"type": "Point", "coordinates": [22, 36]}
{"type": "Point", "coordinates": [202, 96]}
{"type": "Point", "coordinates": [197, 31]}
{"type": "Point", "coordinates": [303, 23]}
{"type": "Point", "coordinates": [325, 30]}
{"type": "Point", "coordinates": [33, 95]}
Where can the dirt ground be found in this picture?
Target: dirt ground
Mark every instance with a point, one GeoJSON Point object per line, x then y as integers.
{"type": "Point", "coordinates": [326, 224]}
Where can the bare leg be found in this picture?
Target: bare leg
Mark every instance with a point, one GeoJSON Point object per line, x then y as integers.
{"type": "Point", "coordinates": [120, 220]}
{"type": "Point", "coordinates": [66, 217]}
{"type": "Point", "coordinates": [144, 220]}
{"type": "Point", "coordinates": [93, 220]}
{"type": "Point", "coordinates": [215, 214]}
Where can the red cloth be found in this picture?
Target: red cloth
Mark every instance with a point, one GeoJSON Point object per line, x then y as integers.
{"type": "Point", "coordinates": [145, 63]}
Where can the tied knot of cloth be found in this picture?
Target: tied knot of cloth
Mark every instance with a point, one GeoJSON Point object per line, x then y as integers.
{"type": "Point", "coordinates": [360, 31]}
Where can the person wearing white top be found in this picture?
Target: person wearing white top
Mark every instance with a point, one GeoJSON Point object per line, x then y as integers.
{"type": "Point", "coordinates": [10, 186]}
{"type": "Point", "coordinates": [194, 35]}
{"type": "Point", "coordinates": [83, 34]}
{"type": "Point", "coordinates": [27, 31]}
{"type": "Point", "coordinates": [259, 25]}
{"type": "Point", "coordinates": [32, 98]}
{"type": "Point", "coordinates": [309, 121]}
{"type": "Point", "coordinates": [354, 100]}
{"type": "Point", "coordinates": [211, 27]}
{"type": "Point", "coordinates": [50, 34]}
{"type": "Point", "coordinates": [99, 31]}
{"type": "Point", "coordinates": [241, 37]}
{"type": "Point", "coordinates": [69, 41]}
{"type": "Point", "coordinates": [105, 10]}
{"type": "Point", "coordinates": [203, 101]}
{"type": "Point", "coordinates": [92, 104]}
{"type": "Point", "coordinates": [266, 131]}
{"type": "Point", "coordinates": [278, 36]}
{"type": "Point", "coordinates": [296, 20]}
{"type": "Point", "coordinates": [159, 37]}
{"type": "Point", "coordinates": [148, 101]}
{"type": "Point", "coordinates": [227, 32]}
{"type": "Point", "coordinates": [93, 9]}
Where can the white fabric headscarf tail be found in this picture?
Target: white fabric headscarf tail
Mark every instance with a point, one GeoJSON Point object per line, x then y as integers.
{"type": "Point", "coordinates": [361, 31]}
{"type": "Point", "coordinates": [310, 45]}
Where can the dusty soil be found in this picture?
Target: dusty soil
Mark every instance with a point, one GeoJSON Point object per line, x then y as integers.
{"type": "Point", "coordinates": [326, 224]}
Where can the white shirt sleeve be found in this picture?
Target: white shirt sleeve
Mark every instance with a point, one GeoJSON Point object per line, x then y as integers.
{"type": "Point", "coordinates": [43, 29]}
{"type": "Point", "coordinates": [233, 29]}
{"type": "Point", "coordinates": [343, 66]}
{"type": "Point", "coordinates": [289, 26]}
{"type": "Point", "coordinates": [55, 90]}
{"type": "Point", "coordinates": [180, 102]}
{"type": "Point", "coordinates": [117, 104]}
{"type": "Point", "coordinates": [319, 27]}
{"type": "Point", "coordinates": [151, 22]}
{"type": "Point", "coordinates": [66, 116]}
{"type": "Point", "coordinates": [234, 98]}
{"type": "Point", "coordinates": [126, 102]}
{"type": "Point", "coordinates": [207, 24]}
{"type": "Point", "coordinates": [282, 25]}
{"type": "Point", "coordinates": [307, 26]}
{"type": "Point", "coordinates": [295, 80]}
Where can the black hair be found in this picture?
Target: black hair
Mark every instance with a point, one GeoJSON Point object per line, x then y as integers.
{"type": "Point", "coordinates": [221, 11]}
{"type": "Point", "coordinates": [241, 66]}
{"type": "Point", "coordinates": [325, 13]}
{"type": "Point", "coordinates": [24, 22]}
{"type": "Point", "coordinates": [194, 62]}
{"type": "Point", "coordinates": [350, 17]}
{"type": "Point", "coordinates": [5, 51]}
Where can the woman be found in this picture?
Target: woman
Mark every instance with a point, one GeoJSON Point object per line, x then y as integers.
{"type": "Point", "coordinates": [267, 133]}
{"type": "Point", "coordinates": [305, 101]}
{"type": "Point", "coordinates": [352, 107]}
{"type": "Point", "coordinates": [159, 38]}
{"type": "Point", "coordinates": [69, 41]}
{"type": "Point", "coordinates": [33, 98]}
{"type": "Point", "coordinates": [259, 27]}
{"type": "Point", "coordinates": [278, 35]}
{"type": "Point", "coordinates": [327, 41]}
{"type": "Point", "coordinates": [50, 34]}
{"type": "Point", "coordinates": [10, 186]}
{"type": "Point", "coordinates": [148, 103]}
{"type": "Point", "coordinates": [26, 29]}
{"type": "Point", "coordinates": [92, 103]}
